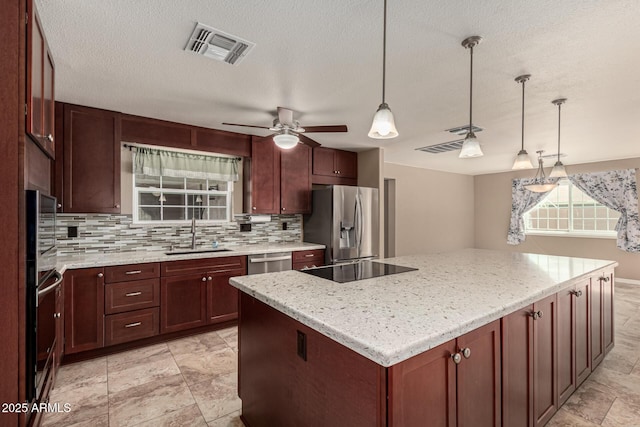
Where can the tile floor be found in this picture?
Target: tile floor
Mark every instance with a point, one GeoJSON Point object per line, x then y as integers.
{"type": "Point", "coordinates": [186, 382]}
{"type": "Point", "coordinates": [192, 382]}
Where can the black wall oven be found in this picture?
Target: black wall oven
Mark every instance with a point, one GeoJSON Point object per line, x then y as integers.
{"type": "Point", "coordinates": [42, 282]}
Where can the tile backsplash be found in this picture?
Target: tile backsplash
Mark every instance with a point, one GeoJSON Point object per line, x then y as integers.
{"type": "Point", "coordinates": [115, 233]}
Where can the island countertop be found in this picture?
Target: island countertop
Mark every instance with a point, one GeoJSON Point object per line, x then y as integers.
{"type": "Point", "coordinates": [392, 318]}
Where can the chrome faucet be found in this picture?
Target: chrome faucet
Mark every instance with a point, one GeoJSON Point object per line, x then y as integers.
{"type": "Point", "coordinates": [193, 232]}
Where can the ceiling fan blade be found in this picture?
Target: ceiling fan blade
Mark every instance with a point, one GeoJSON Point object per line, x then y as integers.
{"type": "Point", "coordinates": [308, 141]}
{"type": "Point", "coordinates": [247, 126]}
{"type": "Point", "coordinates": [330, 128]}
{"type": "Point", "coordinates": [285, 116]}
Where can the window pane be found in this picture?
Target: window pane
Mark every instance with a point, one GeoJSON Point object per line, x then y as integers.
{"type": "Point", "coordinates": [218, 186]}
{"type": "Point", "coordinates": [196, 184]}
{"type": "Point", "coordinates": [149, 214]}
{"type": "Point", "coordinates": [589, 224]}
{"type": "Point", "coordinates": [589, 212]}
{"type": "Point", "coordinates": [216, 214]}
{"type": "Point", "coordinates": [147, 181]}
{"type": "Point", "coordinates": [173, 214]}
{"type": "Point", "coordinates": [171, 182]}
{"type": "Point", "coordinates": [601, 224]}
{"type": "Point", "coordinates": [198, 212]}
{"type": "Point", "coordinates": [553, 224]}
{"type": "Point", "coordinates": [217, 201]}
{"type": "Point", "coordinates": [564, 212]}
{"type": "Point", "coordinates": [174, 199]}
{"type": "Point", "coordinates": [149, 198]}
{"type": "Point", "coordinates": [612, 224]}
{"type": "Point", "coordinates": [563, 224]}
{"type": "Point", "coordinates": [196, 200]}
{"type": "Point", "coordinates": [577, 224]}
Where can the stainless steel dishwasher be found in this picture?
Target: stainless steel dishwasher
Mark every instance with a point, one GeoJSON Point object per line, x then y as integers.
{"type": "Point", "coordinates": [269, 263]}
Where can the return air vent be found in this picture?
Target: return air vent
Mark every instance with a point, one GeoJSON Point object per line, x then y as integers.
{"type": "Point", "coordinates": [463, 130]}
{"type": "Point", "coordinates": [443, 147]}
{"type": "Point", "coordinates": [218, 45]}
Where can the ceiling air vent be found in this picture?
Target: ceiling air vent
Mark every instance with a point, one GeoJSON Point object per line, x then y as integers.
{"type": "Point", "coordinates": [218, 45]}
{"type": "Point", "coordinates": [443, 147]}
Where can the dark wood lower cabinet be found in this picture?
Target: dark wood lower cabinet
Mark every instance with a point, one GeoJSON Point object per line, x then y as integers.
{"type": "Point", "coordinates": [607, 311]}
{"type": "Point", "coordinates": [566, 344]}
{"type": "Point", "coordinates": [545, 360]}
{"type": "Point", "coordinates": [583, 331]}
{"type": "Point", "coordinates": [597, 343]}
{"type": "Point", "coordinates": [84, 309]}
{"type": "Point", "coordinates": [183, 302]}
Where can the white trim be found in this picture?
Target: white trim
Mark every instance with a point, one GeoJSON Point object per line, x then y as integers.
{"type": "Point", "coordinates": [628, 281]}
{"type": "Point", "coordinates": [611, 236]}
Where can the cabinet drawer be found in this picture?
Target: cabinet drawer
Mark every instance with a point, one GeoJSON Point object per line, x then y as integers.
{"type": "Point", "coordinates": [127, 296]}
{"type": "Point", "coordinates": [132, 325]}
{"type": "Point", "coordinates": [205, 265]}
{"type": "Point", "coordinates": [123, 273]}
{"type": "Point", "coordinates": [315, 256]}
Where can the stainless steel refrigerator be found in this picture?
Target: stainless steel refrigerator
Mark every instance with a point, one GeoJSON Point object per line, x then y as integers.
{"type": "Point", "coordinates": [346, 220]}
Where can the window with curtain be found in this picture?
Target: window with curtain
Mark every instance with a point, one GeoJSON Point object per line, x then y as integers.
{"type": "Point", "coordinates": [615, 190]}
{"type": "Point", "coordinates": [174, 187]}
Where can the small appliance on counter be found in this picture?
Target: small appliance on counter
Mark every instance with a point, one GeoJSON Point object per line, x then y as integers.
{"type": "Point", "coordinates": [344, 219]}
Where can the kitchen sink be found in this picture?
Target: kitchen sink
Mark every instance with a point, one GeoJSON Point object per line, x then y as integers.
{"type": "Point", "coordinates": [196, 251]}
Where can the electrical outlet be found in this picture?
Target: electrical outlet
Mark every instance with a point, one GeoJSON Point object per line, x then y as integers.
{"type": "Point", "coordinates": [284, 225]}
{"type": "Point", "coordinates": [245, 227]}
{"type": "Point", "coordinates": [72, 231]}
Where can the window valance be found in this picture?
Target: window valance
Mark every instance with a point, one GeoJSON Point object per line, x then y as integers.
{"type": "Point", "coordinates": [154, 162]}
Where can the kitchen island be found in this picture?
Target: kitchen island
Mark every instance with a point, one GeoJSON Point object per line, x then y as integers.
{"type": "Point", "coordinates": [428, 347]}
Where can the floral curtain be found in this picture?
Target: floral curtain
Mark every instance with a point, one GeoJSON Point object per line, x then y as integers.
{"type": "Point", "coordinates": [522, 200]}
{"type": "Point", "coordinates": [616, 190]}
{"type": "Point", "coordinates": [149, 161]}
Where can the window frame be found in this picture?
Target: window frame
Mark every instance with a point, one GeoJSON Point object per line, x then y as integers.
{"type": "Point", "coordinates": [228, 194]}
{"type": "Point", "coordinates": [591, 234]}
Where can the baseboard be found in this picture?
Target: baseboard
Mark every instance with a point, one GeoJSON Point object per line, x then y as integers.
{"type": "Point", "coordinates": [628, 281]}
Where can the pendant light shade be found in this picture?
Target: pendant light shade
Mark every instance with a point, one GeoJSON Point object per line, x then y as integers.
{"type": "Point", "coordinates": [540, 183]}
{"type": "Point", "coordinates": [523, 161]}
{"type": "Point", "coordinates": [286, 140]}
{"type": "Point", "coordinates": [558, 170]}
{"type": "Point", "coordinates": [383, 126]}
{"type": "Point", "coordinates": [471, 146]}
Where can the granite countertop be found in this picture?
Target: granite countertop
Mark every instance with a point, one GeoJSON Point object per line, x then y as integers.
{"type": "Point", "coordinates": [137, 257]}
{"type": "Point", "coordinates": [392, 318]}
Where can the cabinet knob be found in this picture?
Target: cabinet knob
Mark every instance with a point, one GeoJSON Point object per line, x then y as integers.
{"type": "Point", "coordinates": [284, 209]}
{"type": "Point", "coordinates": [604, 278]}
{"type": "Point", "coordinates": [50, 138]}
{"type": "Point", "coordinates": [536, 314]}
{"type": "Point", "coordinates": [117, 206]}
{"type": "Point", "coordinates": [456, 358]}
{"type": "Point", "coordinates": [59, 205]}
{"type": "Point", "coordinates": [204, 279]}
{"type": "Point", "coordinates": [578, 294]}
{"type": "Point", "coordinates": [100, 275]}
{"type": "Point", "coordinates": [339, 172]}
{"type": "Point", "coordinates": [466, 352]}
{"type": "Point", "coordinates": [254, 208]}
{"type": "Point", "coordinates": [209, 278]}
{"type": "Point", "coordinates": [56, 315]}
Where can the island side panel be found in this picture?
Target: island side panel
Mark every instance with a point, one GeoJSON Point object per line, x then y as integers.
{"type": "Point", "coordinates": [333, 386]}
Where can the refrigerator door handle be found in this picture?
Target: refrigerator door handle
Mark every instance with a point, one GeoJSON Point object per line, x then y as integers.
{"type": "Point", "coordinates": [359, 227]}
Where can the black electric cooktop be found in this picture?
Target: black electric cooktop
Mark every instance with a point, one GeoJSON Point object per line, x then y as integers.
{"type": "Point", "coordinates": [357, 271]}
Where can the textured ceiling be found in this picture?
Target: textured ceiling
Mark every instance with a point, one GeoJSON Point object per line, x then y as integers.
{"type": "Point", "coordinates": [323, 59]}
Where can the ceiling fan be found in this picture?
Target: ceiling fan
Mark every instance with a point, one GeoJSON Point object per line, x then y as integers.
{"type": "Point", "coordinates": [288, 132]}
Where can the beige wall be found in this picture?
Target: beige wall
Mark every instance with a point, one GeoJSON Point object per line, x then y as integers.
{"type": "Point", "coordinates": [126, 183]}
{"type": "Point", "coordinates": [434, 210]}
{"type": "Point", "coordinates": [493, 211]}
{"type": "Point", "coordinates": [370, 166]}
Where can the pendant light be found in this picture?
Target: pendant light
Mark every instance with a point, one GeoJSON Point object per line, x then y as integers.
{"type": "Point", "coordinates": [471, 146]}
{"type": "Point", "coordinates": [383, 126]}
{"type": "Point", "coordinates": [523, 161]}
{"type": "Point", "coordinates": [540, 183]}
{"type": "Point", "coordinates": [558, 170]}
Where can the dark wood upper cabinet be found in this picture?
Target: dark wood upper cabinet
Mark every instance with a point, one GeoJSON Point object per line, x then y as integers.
{"type": "Point", "coordinates": [331, 166]}
{"type": "Point", "coordinates": [40, 84]}
{"type": "Point", "coordinates": [280, 179]}
{"type": "Point", "coordinates": [91, 164]}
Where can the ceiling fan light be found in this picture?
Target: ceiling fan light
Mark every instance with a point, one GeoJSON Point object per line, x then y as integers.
{"type": "Point", "coordinates": [286, 140]}
{"type": "Point", "coordinates": [558, 170]}
{"type": "Point", "coordinates": [470, 147]}
{"type": "Point", "coordinates": [384, 125]}
{"type": "Point", "coordinates": [523, 161]}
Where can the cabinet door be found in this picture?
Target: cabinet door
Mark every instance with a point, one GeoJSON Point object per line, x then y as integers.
{"type": "Point", "coordinates": [597, 344]}
{"type": "Point", "coordinates": [517, 368]}
{"type": "Point", "coordinates": [59, 352]}
{"type": "Point", "coordinates": [295, 180]}
{"type": "Point", "coordinates": [324, 161]}
{"type": "Point", "coordinates": [265, 176]}
{"type": "Point", "coordinates": [183, 302]}
{"type": "Point", "coordinates": [48, 103]}
{"type": "Point", "coordinates": [566, 344]}
{"type": "Point", "coordinates": [545, 385]}
{"type": "Point", "coordinates": [84, 309]}
{"type": "Point", "coordinates": [583, 332]}
{"type": "Point", "coordinates": [479, 378]}
{"type": "Point", "coordinates": [422, 390]}
{"type": "Point", "coordinates": [35, 78]}
{"type": "Point", "coordinates": [347, 164]}
{"type": "Point", "coordinates": [91, 160]}
{"type": "Point", "coordinates": [222, 298]}
{"type": "Point", "coordinates": [607, 311]}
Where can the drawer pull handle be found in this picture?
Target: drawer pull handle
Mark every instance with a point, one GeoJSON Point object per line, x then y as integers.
{"type": "Point", "coordinates": [133, 325]}
{"type": "Point", "coordinates": [134, 272]}
{"type": "Point", "coordinates": [309, 255]}
{"type": "Point", "coordinates": [133, 294]}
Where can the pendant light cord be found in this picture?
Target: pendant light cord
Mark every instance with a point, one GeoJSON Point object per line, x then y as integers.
{"type": "Point", "coordinates": [470, 93]}
{"type": "Point", "coordinates": [559, 107]}
{"type": "Point", "coordinates": [384, 51]}
{"type": "Point", "coordinates": [522, 127]}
